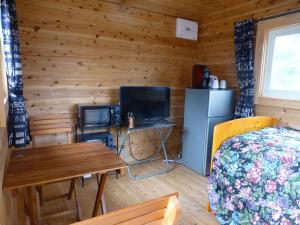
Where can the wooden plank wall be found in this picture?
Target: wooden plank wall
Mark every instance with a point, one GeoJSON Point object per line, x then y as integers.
{"type": "Point", "coordinates": [216, 47]}
{"type": "Point", "coordinates": [5, 197]}
{"type": "Point", "coordinates": [81, 52]}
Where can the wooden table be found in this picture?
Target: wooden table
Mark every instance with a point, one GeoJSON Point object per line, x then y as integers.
{"type": "Point", "coordinates": [31, 168]}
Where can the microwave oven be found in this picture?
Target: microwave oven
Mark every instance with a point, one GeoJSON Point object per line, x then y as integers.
{"type": "Point", "coordinates": [98, 116]}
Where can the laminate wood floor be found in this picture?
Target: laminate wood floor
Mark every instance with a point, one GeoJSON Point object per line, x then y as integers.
{"type": "Point", "coordinates": [123, 192]}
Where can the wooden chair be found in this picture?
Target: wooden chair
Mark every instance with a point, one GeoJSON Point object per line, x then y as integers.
{"type": "Point", "coordinates": [51, 124]}
{"type": "Point", "coordinates": [162, 211]}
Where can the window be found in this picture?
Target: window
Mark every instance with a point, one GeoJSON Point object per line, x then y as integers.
{"type": "Point", "coordinates": [3, 82]}
{"type": "Point", "coordinates": [3, 92]}
{"type": "Point", "coordinates": [277, 62]}
{"type": "Point", "coordinates": [282, 73]}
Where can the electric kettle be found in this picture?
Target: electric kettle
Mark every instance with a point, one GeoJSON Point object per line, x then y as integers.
{"type": "Point", "coordinates": [214, 82]}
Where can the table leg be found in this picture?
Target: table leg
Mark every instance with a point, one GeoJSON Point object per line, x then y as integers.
{"type": "Point", "coordinates": [32, 206]}
{"type": "Point", "coordinates": [18, 207]}
{"type": "Point", "coordinates": [98, 179]}
{"type": "Point", "coordinates": [21, 208]}
{"type": "Point", "coordinates": [71, 189]}
{"type": "Point", "coordinates": [76, 201]}
{"type": "Point", "coordinates": [103, 204]}
{"type": "Point", "coordinates": [40, 191]}
{"type": "Point", "coordinates": [99, 199]}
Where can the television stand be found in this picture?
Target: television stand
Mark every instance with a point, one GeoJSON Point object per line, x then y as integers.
{"type": "Point", "coordinates": [157, 127]}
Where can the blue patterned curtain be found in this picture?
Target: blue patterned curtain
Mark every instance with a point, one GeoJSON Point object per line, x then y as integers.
{"type": "Point", "coordinates": [18, 132]}
{"type": "Point", "coordinates": [244, 54]}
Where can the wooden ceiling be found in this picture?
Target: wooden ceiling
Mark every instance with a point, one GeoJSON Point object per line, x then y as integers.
{"type": "Point", "coordinates": [189, 9]}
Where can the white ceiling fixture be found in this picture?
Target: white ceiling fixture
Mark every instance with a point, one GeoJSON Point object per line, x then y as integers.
{"type": "Point", "coordinates": [186, 29]}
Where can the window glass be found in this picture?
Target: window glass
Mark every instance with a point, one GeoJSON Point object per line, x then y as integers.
{"type": "Point", "coordinates": [4, 80]}
{"type": "Point", "coordinates": [3, 90]}
{"type": "Point", "coordinates": [282, 74]}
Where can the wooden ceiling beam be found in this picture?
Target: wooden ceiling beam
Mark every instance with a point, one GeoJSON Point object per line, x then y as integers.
{"type": "Point", "coordinates": [212, 4]}
{"type": "Point", "coordinates": [188, 9]}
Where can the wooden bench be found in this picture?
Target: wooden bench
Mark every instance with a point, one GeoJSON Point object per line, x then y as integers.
{"type": "Point", "coordinates": [161, 211]}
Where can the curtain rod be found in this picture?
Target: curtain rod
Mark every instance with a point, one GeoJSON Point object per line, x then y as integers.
{"type": "Point", "coordinates": [279, 15]}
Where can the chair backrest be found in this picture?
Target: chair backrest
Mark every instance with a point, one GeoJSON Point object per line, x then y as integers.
{"type": "Point", "coordinates": [50, 124]}
{"type": "Point", "coordinates": [162, 211]}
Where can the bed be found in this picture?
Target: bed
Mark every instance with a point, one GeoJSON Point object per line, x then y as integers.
{"type": "Point", "coordinates": [255, 176]}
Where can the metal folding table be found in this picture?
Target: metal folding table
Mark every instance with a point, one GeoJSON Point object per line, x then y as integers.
{"type": "Point", "coordinates": [157, 127]}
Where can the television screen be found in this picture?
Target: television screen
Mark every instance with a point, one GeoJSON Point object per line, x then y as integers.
{"type": "Point", "coordinates": [145, 103]}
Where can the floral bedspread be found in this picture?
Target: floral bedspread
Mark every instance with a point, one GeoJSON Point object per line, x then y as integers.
{"type": "Point", "coordinates": [256, 178]}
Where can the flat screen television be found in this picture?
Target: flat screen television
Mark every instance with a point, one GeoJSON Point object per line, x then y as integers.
{"type": "Point", "coordinates": [145, 103]}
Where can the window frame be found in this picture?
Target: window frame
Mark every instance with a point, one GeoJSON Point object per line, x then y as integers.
{"type": "Point", "coordinates": [262, 42]}
{"type": "Point", "coordinates": [3, 91]}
